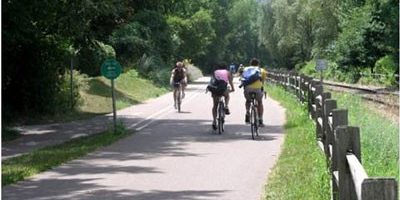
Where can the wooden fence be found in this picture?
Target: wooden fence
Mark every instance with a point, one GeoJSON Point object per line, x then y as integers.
{"type": "Point", "coordinates": [339, 142]}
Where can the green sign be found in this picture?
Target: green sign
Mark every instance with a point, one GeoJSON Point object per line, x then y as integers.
{"type": "Point", "coordinates": [111, 69]}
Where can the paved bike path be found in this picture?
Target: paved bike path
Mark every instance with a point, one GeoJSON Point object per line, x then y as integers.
{"type": "Point", "coordinates": [176, 156]}
{"type": "Point", "coordinates": [39, 136]}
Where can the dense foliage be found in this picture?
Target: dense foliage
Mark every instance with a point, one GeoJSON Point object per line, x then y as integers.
{"type": "Point", "coordinates": [40, 38]}
{"type": "Point", "coordinates": [353, 35]}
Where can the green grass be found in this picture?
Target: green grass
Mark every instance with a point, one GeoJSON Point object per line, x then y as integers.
{"type": "Point", "coordinates": [301, 171]}
{"type": "Point", "coordinates": [22, 167]}
{"type": "Point", "coordinates": [129, 90]}
{"type": "Point", "coordinates": [379, 136]}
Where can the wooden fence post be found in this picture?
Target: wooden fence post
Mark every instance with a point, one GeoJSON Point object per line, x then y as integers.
{"type": "Point", "coordinates": [310, 96]}
{"type": "Point", "coordinates": [305, 88]}
{"type": "Point", "coordinates": [379, 188]}
{"type": "Point", "coordinates": [306, 84]}
{"type": "Point", "coordinates": [300, 84]}
{"type": "Point", "coordinates": [317, 92]}
{"type": "Point", "coordinates": [330, 104]}
{"type": "Point", "coordinates": [339, 117]}
{"type": "Point", "coordinates": [318, 111]}
{"type": "Point", "coordinates": [348, 139]}
{"type": "Point", "coordinates": [324, 118]}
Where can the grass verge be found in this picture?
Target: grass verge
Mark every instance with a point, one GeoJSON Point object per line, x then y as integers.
{"type": "Point", "coordinates": [95, 92]}
{"type": "Point", "coordinates": [21, 167]}
{"type": "Point", "coordinates": [301, 171]}
{"type": "Point", "coordinates": [130, 89]}
{"type": "Point", "coordinates": [379, 136]}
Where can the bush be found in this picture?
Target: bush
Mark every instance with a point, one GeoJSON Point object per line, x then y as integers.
{"type": "Point", "coordinates": [131, 41]}
{"type": "Point", "coordinates": [92, 56]}
{"type": "Point", "coordinates": [309, 68]}
{"type": "Point", "coordinates": [153, 68]}
{"type": "Point", "coordinates": [387, 67]}
{"type": "Point", "coordinates": [64, 102]}
{"type": "Point", "coordinates": [193, 72]}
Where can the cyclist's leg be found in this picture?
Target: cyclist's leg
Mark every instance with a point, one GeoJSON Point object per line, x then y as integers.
{"type": "Point", "coordinates": [183, 86]}
{"type": "Point", "coordinates": [260, 106]}
{"type": "Point", "coordinates": [226, 96]}
{"type": "Point", "coordinates": [247, 105]}
{"type": "Point", "coordinates": [175, 89]}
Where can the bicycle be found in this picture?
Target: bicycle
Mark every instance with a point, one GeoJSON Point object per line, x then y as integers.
{"type": "Point", "coordinates": [253, 115]}
{"type": "Point", "coordinates": [220, 114]}
{"type": "Point", "coordinates": [178, 95]}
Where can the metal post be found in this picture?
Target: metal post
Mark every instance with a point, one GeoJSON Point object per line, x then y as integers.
{"type": "Point", "coordinates": [321, 78]}
{"type": "Point", "coordinates": [71, 83]}
{"type": "Point", "coordinates": [113, 104]}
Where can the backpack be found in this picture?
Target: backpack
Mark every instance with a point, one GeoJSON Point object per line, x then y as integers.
{"type": "Point", "coordinates": [250, 75]}
{"type": "Point", "coordinates": [216, 86]}
{"type": "Point", "coordinates": [178, 74]}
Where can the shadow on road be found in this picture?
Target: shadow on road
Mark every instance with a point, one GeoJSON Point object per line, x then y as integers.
{"type": "Point", "coordinates": [163, 138]}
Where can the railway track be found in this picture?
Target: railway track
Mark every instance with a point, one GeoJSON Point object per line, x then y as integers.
{"type": "Point", "coordinates": [374, 94]}
{"type": "Point", "coordinates": [384, 101]}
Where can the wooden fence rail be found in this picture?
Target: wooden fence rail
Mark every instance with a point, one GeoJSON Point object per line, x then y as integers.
{"type": "Point", "coordinates": [339, 142]}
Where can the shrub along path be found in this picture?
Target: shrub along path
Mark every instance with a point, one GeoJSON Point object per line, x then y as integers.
{"type": "Point", "coordinates": [171, 156]}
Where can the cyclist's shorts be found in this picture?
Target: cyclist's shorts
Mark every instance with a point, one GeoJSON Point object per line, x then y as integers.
{"type": "Point", "coordinates": [175, 84]}
{"type": "Point", "coordinates": [218, 94]}
{"type": "Point", "coordinates": [259, 93]}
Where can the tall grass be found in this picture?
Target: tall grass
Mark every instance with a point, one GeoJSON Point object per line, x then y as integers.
{"type": "Point", "coordinates": [379, 136]}
{"type": "Point", "coordinates": [301, 171]}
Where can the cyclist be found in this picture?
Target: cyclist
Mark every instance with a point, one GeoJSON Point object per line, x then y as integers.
{"type": "Point", "coordinates": [232, 68]}
{"type": "Point", "coordinates": [240, 68]}
{"type": "Point", "coordinates": [178, 75]}
{"type": "Point", "coordinates": [221, 73]}
{"type": "Point", "coordinates": [257, 87]}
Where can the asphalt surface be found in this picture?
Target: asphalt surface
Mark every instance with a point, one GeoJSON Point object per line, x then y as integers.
{"type": "Point", "coordinates": [171, 156]}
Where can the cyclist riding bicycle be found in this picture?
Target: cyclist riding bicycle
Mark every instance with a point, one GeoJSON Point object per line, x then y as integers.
{"type": "Point", "coordinates": [178, 77]}
{"type": "Point", "coordinates": [255, 86]}
{"type": "Point", "coordinates": [232, 68]}
{"type": "Point", "coordinates": [222, 75]}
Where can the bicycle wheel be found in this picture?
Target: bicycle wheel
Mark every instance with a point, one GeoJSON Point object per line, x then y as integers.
{"type": "Point", "coordinates": [179, 98]}
{"type": "Point", "coordinates": [221, 117]}
{"type": "Point", "coordinates": [253, 121]}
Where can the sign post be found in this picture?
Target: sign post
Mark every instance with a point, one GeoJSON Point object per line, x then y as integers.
{"type": "Point", "coordinates": [111, 69]}
{"type": "Point", "coordinates": [320, 66]}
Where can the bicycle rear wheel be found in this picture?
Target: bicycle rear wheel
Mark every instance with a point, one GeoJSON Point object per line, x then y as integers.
{"type": "Point", "coordinates": [179, 98]}
{"type": "Point", "coordinates": [253, 122]}
{"type": "Point", "coordinates": [221, 116]}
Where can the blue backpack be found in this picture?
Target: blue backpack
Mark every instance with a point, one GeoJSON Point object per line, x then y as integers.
{"type": "Point", "coordinates": [250, 75]}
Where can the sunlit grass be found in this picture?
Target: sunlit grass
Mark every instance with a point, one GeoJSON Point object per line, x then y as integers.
{"type": "Point", "coordinates": [379, 136]}
{"type": "Point", "coordinates": [129, 90]}
{"type": "Point", "coordinates": [301, 171]}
